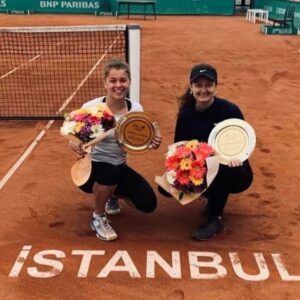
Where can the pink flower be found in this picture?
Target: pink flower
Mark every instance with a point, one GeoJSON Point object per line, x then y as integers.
{"type": "Point", "coordinates": [79, 118]}
{"type": "Point", "coordinates": [205, 149]}
{"type": "Point", "coordinates": [93, 120]}
{"type": "Point", "coordinates": [183, 151]}
{"type": "Point", "coordinates": [107, 116]}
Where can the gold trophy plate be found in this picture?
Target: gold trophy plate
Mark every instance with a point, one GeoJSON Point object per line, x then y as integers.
{"type": "Point", "coordinates": [233, 139]}
{"type": "Point", "coordinates": [135, 131]}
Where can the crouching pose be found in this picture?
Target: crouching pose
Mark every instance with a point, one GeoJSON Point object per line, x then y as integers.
{"type": "Point", "coordinates": [111, 177]}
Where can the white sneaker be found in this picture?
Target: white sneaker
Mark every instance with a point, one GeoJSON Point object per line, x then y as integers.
{"type": "Point", "coordinates": [104, 231]}
{"type": "Point", "coordinates": [112, 206]}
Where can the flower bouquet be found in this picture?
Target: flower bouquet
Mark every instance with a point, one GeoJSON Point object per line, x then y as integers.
{"type": "Point", "coordinates": [191, 166]}
{"type": "Point", "coordinates": [87, 126]}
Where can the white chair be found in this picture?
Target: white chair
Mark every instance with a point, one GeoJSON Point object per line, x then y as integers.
{"type": "Point", "coordinates": [262, 14]}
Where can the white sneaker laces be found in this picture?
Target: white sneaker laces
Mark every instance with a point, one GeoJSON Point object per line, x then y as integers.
{"type": "Point", "coordinates": [105, 223]}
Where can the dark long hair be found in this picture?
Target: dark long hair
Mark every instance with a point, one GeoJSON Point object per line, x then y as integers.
{"type": "Point", "coordinates": [185, 100]}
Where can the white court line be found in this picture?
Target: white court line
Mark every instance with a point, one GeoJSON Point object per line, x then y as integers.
{"type": "Point", "coordinates": [20, 66]}
{"type": "Point", "coordinates": [25, 63]}
{"type": "Point", "coordinates": [42, 133]}
{"type": "Point", "coordinates": [24, 155]}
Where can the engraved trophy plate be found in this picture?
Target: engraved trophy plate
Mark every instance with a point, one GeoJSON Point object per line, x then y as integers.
{"type": "Point", "coordinates": [135, 131]}
{"type": "Point", "coordinates": [233, 138]}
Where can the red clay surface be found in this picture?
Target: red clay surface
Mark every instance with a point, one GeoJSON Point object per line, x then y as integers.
{"type": "Point", "coordinates": [41, 207]}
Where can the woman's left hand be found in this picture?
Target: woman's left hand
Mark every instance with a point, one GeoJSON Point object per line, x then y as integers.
{"type": "Point", "coordinates": [156, 142]}
{"type": "Point", "coordinates": [233, 163]}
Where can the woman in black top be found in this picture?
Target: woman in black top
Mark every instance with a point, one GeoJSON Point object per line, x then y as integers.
{"type": "Point", "coordinates": [199, 111]}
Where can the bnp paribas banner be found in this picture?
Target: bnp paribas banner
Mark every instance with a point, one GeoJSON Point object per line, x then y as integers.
{"type": "Point", "coordinates": [108, 7]}
{"type": "Point", "coordinates": [102, 7]}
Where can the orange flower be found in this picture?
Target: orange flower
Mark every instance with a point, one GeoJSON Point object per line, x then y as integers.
{"type": "Point", "coordinates": [205, 149]}
{"type": "Point", "coordinates": [183, 151]}
{"type": "Point", "coordinates": [200, 157]}
{"type": "Point", "coordinates": [183, 177]}
{"type": "Point", "coordinates": [172, 163]}
{"type": "Point", "coordinates": [198, 170]}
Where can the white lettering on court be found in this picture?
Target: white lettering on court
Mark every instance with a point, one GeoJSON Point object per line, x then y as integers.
{"type": "Point", "coordinates": [174, 271]}
{"type": "Point", "coordinates": [202, 265]}
{"type": "Point", "coordinates": [127, 267]}
{"type": "Point", "coordinates": [284, 274]}
{"type": "Point", "coordinates": [56, 265]}
{"type": "Point", "coordinates": [261, 263]}
{"type": "Point", "coordinates": [215, 263]}
{"type": "Point", "coordinates": [17, 267]}
{"type": "Point", "coordinates": [86, 260]}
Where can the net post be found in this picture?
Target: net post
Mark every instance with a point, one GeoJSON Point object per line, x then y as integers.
{"type": "Point", "coordinates": [134, 51]}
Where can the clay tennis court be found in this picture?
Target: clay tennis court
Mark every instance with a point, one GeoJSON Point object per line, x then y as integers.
{"type": "Point", "coordinates": [257, 257]}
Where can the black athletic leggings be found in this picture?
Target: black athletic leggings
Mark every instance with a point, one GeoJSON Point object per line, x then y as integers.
{"type": "Point", "coordinates": [228, 180]}
{"type": "Point", "coordinates": [130, 184]}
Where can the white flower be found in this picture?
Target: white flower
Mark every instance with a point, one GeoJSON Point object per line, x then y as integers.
{"type": "Point", "coordinates": [171, 176]}
{"type": "Point", "coordinates": [92, 110]}
{"type": "Point", "coordinates": [68, 127]}
{"type": "Point", "coordinates": [171, 150]}
{"type": "Point", "coordinates": [97, 130]}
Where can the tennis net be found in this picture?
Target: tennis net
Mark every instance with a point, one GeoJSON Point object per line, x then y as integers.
{"type": "Point", "coordinates": [47, 71]}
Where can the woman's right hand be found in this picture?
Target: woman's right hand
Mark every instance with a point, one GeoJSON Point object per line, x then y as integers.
{"type": "Point", "coordinates": [77, 148]}
{"type": "Point", "coordinates": [233, 163]}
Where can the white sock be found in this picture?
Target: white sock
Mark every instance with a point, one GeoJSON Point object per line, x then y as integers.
{"type": "Point", "coordinates": [98, 215]}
